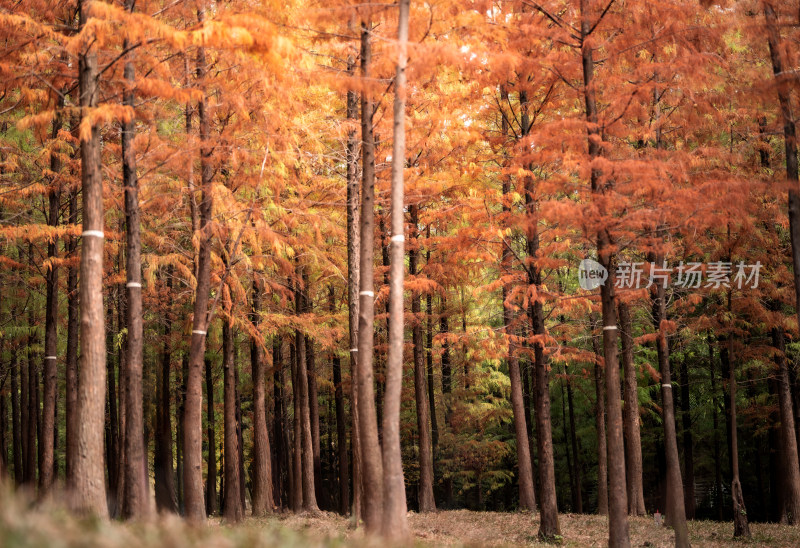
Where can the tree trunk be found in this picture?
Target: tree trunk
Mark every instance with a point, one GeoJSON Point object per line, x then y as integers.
{"type": "Point", "coordinates": [262, 460]}
{"type": "Point", "coordinates": [676, 514]}
{"type": "Point", "coordinates": [49, 367]}
{"type": "Point", "coordinates": [425, 492]}
{"type": "Point", "coordinates": [211, 480]}
{"type": "Point", "coordinates": [71, 372]}
{"type": "Point", "coordinates": [297, 438]}
{"type": "Point", "coordinates": [688, 443]}
{"type": "Point", "coordinates": [233, 511]}
{"type": "Point", "coordinates": [429, 367]}
{"type": "Point", "coordinates": [90, 491]}
{"type": "Point", "coordinates": [792, 485]}
{"type": "Point", "coordinates": [395, 524]}
{"type": "Point", "coordinates": [112, 416]}
{"type": "Point", "coordinates": [341, 426]}
{"type": "Point", "coordinates": [618, 531]}
{"type": "Point", "coordinates": [632, 428]}
{"type": "Point", "coordinates": [600, 424]}
{"type": "Point", "coordinates": [192, 422]}
{"type": "Point", "coordinates": [741, 528]}
{"type": "Point", "coordinates": [791, 482]}
{"type": "Point", "coordinates": [527, 495]}
{"type": "Point", "coordinates": [313, 408]}
{"type": "Point", "coordinates": [16, 429]}
{"type": "Point", "coordinates": [353, 260]}
{"type": "Point", "coordinates": [135, 504]}
{"type": "Point", "coordinates": [576, 461]}
{"type": "Point", "coordinates": [279, 461]}
{"type": "Point", "coordinates": [371, 465]}
{"type": "Point", "coordinates": [166, 500]}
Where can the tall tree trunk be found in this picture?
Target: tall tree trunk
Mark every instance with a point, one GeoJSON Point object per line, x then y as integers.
{"type": "Point", "coordinates": [527, 496]}
{"type": "Point", "coordinates": [792, 486]}
{"type": "Point", "coordinates": [49, 367]}
{"type": "Point", "coordinates": [631, 426]}
{"type": "Point", "coordinates": [233, 511]}
{"type": "Point", "coordinates": [600, 424]}
{"type": "Point", "coordinates": [741, 527]}
{"type": "Point", "coordinates": [425, 491]}
{"type": "Point", "coordinates": [297, 438]}
{"type": "Point", "coordinates": [112, 417]}
{"type": "Point", "coordinates": [353, 260]}
{"type": "Point", "coordinates": [395, 523]}
{"type": "Point", "coordinates": [90, 491]}
{"type": "Point", "coordinates": [25, 410]}
{"type": "Point", "coordinates": [279, 460]}
{"type": "Point", "coordinates": [429, 367]}
{"type": "Point", "coordinates": [341, 426]}
{"type": "Point", "coordinates": [306, 442]}
{"type": "Point", "coordinates": [262, 459]}
{"type": "Point", "coordinates": [313, 407]}
{"type": "Point", "coordinates": [192, 422]}
{"type": "Point", "coordinates": [791, 483]}
{"type": "Point", "coordinates": [211, 480]}
{"type": "Point", "coordinates": [135, 504]}
{"type": "Point", "coordinates": [166, 500]}
{"type": "Point", "coordinates": [576, 461]}
{"type": "Point", "coordinates": [16, 433]}
{"type": "Point", "coordinates": [618, 531]}
{"type": "Point", "coordinates": [371, 465]}
{"type": "Point", "coordinates": [688, 443]}
{"type": "Point", "coordinates": [71, 372]}
{"type": "Point", "coordinates": [676, 514]}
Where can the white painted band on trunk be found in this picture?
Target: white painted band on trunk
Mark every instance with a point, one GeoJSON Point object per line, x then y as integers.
{"type": "Point", "coordinates": [95, 233]}
{"type": "Point", "coordinates": [609, 327]}
{"type": "Point", "coordinates": [51, 357]}
{"type": "Point", "coordinates": [666, 385]}
{"type": "Point", "coordinates": [354, 350]}
{"type": "Point", "coordinates": [366, 293]}
{"type": "Point", "coordinates": [398, 238]}
{"type": "Point", "coordinates": [199, 332]}
{"type": "Point", "coordinates": [133, 284]}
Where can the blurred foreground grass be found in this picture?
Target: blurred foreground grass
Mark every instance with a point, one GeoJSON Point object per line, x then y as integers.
{"type": "Point", "coordinates": [27, 525]}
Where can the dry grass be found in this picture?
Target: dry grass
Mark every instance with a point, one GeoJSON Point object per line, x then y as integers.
{"type": "Point", "coordinates": [25, 526]}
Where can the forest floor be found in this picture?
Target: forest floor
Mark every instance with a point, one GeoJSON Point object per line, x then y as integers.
{"type": "Point", "coordinates": [52, 526]}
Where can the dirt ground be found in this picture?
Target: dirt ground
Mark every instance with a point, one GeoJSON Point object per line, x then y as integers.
{"type": "Point", "coordinates": [466, 528]}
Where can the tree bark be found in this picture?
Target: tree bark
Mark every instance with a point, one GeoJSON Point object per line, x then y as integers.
{"type": "Point", "coordinates": [262, 459]}
{"type": "Point", "coordinates": [353, 260]}
{"type": "Point", "coordinates": [90, 491]}
{"type": "Point", "coordinates": [71, 372]}
{"type": "Point", "coordinates": [792, 485]}
{"type": "Point", "coordinates": [371, 465]}
{"type": "Point", "coordinates": [297, 438]}
{"type": "Point", "coordinates": [425, 491]}
{"type": "Point", "coordinates": [211, 465]}
{"type": "Point", "coordinates": [166, 499]}
{"type": "Point", "coordinates": [527, 495]}
{"type": "Point", "coordinates": [600, 424]}
{"type": "Point", "coordinates": [313, 408]}
{"type": "Point", "coordinates": [688, 443]}
{"type": "Point", "coordinates": [618, 530]}
{"type": "Point", "coordinates": [16, 429]}
{"type": "Point", "coordinates": [306, 441]}
{"type": "Point", "coordinates": [135, 504]}
{"type": "Point", "coordinates": [576, 461]}
{"type": "Point", "coordinates": [631, 425]}
{"type": "Point", "coordinates": [49, 367]}
{"type": "Point", "coordinates": [192, 423]}
{"type": "Point", "coordinates": [676, 514]}
{"type": "Point", "coordinates": [395, 523]}
{"type": "Point", "coordinates": [741, 527]}
{"type": "Point", "coordinates": [341, 426]}
{"type": "Point", "coordinates": [233, 512]}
